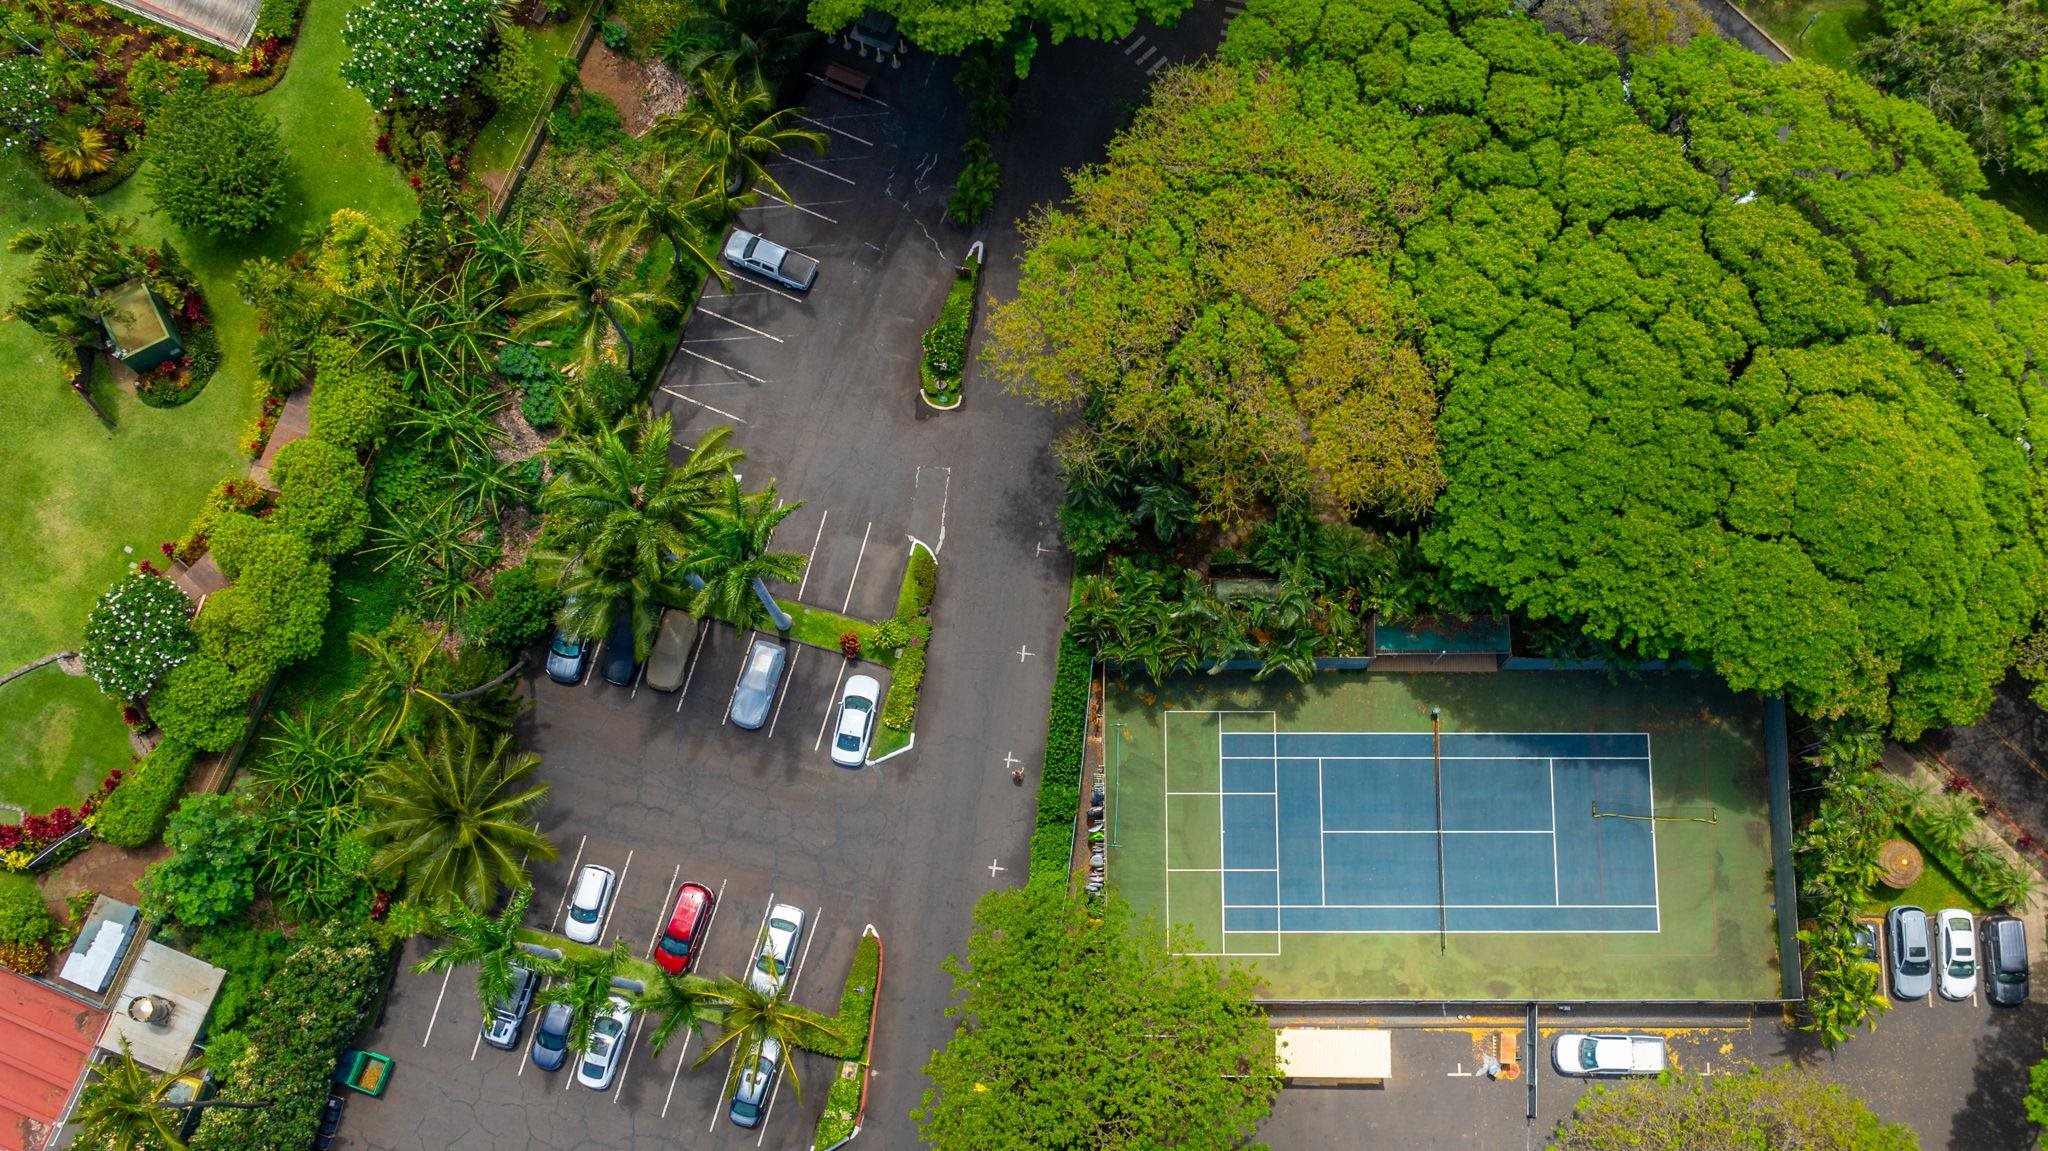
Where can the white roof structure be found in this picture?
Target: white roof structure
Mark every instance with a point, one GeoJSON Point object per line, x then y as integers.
{"type": "Point", "coordinates": [190, 984]}
{"type": "Point", "coordinates": [1334, 1054]}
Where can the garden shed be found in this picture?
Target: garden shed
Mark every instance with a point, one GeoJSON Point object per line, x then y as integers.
{"type": "Point", "coordinates": [141, 328]}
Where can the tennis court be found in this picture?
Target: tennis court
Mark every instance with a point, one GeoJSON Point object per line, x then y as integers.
{"type": "Point", "coordinates": [1557, 835]}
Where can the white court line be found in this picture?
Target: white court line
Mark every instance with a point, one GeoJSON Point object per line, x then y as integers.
{"type": "Point", "coordinates": [830, 709]}
{"type": "Point", "coordinates": [618, 890]}
{"type": "Point", "coordinates": [836, 131]}
{"type": "Point", "coordinates": [737, 676]}
{"type": "Point", "coordinates": [848, 602]}
{"type": "Point", "coordinates": [818, 170]}
{"type": "Point", "coordinates": [700, 403]}
{"type": "Point", "coordinates": [812, 557]}
{"type": "Point", "coordinates": [722, 364]}
{"type": "Point", "coordinates": [618, 1087]}
{"type": "Point", "coordinates": [564, 901]}
{"type": "Point", "coordinates": [661, 920]}
{"type": "Point", "coordinates": [436, 1016]}
{"type": "Point", "coordinates": [788, 673]}
{"type": "Point", "coordinates": [737, 324]}
{"type": "Point", "coordinates": [1322, 857]}
{"type": "Point", "coordinates": [1556, 884]}
{"type": "Point", "coordinates": [786, 204]}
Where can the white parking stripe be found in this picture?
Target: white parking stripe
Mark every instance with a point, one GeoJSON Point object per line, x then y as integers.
{"type": "Point", "coordinates": [1135, 45]}
{"type": "Point", "coordinates": [737, 676]}
{"type": "Point", "coordinates": [696, 652]}
{"type": "Point", "coordinates": [564, 901]}
{"type": "Point", "coordinates": [862, 99]}
{"type": "Point", "coordinates": [662, 919]}
{"type": "Point", "coordinates": [836, 131]}
{"type": "Point", "coordinates": [810, 933]}
{"type": "Point", "coordinates": [831, 706]}
{"type": "Point", "coordinates": [478, 1045]}
{"type": "Point", "coordinates": [752, 287]}
{"type": "Point", "coordinates": [810, 560]}
{"type": "Point", "coordinates": [619, 1081]}
{"type": "Point", "coordinates": [1157, 65]}
{"type": "Point", "coordinates": [727, 1081]}
{"type": "Point", "coordinates": [735, 323]}
{"type": "Point", "coordinates": [815, 168]}
{"type": "Point", "coordinates": [788, 673]}
{"type": "Point", "coordinates": [721, 364]}
{"type": "Point", "coordinates": [786, 204]}
{"type": "Point", "coordinates": [1149, 53]}
{"type": "Point", "coordinates": [700, 403]}
{"type": "Point", "coordinates": [618, 889]}
{"type": "Point", "coordinates": [716, 901]}
{"type": "Point", "coordinates": [436, 1016]}
{"type": "Point", "coordinates": [848, 602]}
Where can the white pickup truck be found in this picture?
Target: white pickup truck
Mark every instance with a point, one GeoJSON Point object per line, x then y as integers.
{"type": "Point", "coordinates": [1605, 1055]}
{"type": "Point", "coordinates": [751, 253]}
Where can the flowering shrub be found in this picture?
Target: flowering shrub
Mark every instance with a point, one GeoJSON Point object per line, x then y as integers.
{"type": "Point", "coordinates": [420, 52]}
{"type": "Point", "coordinates": [140, 629]}
{"type": "Point", "coordinates": [20, 842]}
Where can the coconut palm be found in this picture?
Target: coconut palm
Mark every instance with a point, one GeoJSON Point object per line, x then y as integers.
{"type": "Point", "coordinates": [734, 129]}
{"type": "Point", "coordinates": [489, 941]}
{"type": "Point", "coordinates": [584, 986]}
{"type": "Point", "coordinates": [678, 1002]}
{"type": "Point", "coordinates": [589, 287]}
{"type": "Point", "coordinates": [664, 206]}
{"type": "Point", "coordinates": [734, 555]}
{"type": "Point", "coordinates": [455, 817]}
{"type": "Point", "coordinates": [127, 1106]}
{"type": "Point", "coordinates": [747, 1016]}
{"type": "Point", "coordinates": [760, 41]}
{"type": "Point", "coordinates": [75, 151]}
{"type": "Point", "coordinates": [390, 698]}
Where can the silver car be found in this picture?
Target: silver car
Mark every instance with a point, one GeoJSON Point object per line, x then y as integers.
{"type": "Point", "coordinates": [1912, 954]}
{"type": "Point", "coordinates": [750, 1099]}
{"type": "Point", "coordinates": [1958, 953]}
{"type": "Point", "coordinates": [551, 1037]}
{"type": "Point", "coordinates": [857, 707]}
{"type": "Point", "coordinates": [502, 1029]}
{"type": "Point", "coordinates": [759, 677]}
{"type": "Point", "coordinates": [777, 951]}
{"type": "Point", "coordinates": [586, 906]}
{"type": "Point", "coordinates": [607, 1040]}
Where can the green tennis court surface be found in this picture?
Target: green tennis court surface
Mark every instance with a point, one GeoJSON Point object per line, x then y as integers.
{"type": "Point", "coordinates": [1562, 837]}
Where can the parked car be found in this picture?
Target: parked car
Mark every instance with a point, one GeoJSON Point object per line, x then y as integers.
{"type": "Point", "coordinates": [1610, 1055]}
{"type": "Point", "coordinates": [751, 253]}
{"type": "Point", "coordinates": [1958, 953]}
{"type": "Point", "coordinates": [1912, 957]}
{"type": "Point", "coordinates": [619, 664]}
{"type": "Point", "coordinates": [2005, 960]}
{"type": "Point", "coordinates": [586, 907]}
{"type": "Point", "coordinates": [551, 1038]}
{"type": "Point", "coordinates": [508, 1017]}
{"type": "Point", "coordinates": [857, 707]}
{"type": "Point", "coordinates": [607, 1040]}
{"type": "Point", "coordinates": [758, 680]}
{"type": "Point", "coordinates": [750, 1098]}
{"type": "Point", "coordinates": [670, 659]}
{"type": "Point", "coordinates": [677, 951]}
{"type": "Point", "coordinates": [567, 657]}
{"type": "Point", "coordinates": [777, 951]}
{"type": "Point", "coordinates": [1865, 934]}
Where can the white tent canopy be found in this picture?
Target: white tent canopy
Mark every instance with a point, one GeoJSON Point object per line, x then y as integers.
{"type": "Point", "coordinates": [1334, 1054]}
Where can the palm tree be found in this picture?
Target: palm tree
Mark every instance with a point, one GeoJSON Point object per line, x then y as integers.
{"type": "Point", "coordinates": [662, 207]}
{"type": "Point", "coordinates": [489, 941]}
{"type": "Point", "coordinates": [623, 515]}
{"type": "Point", "coordinates": [735, 555]}
{"type": "Point", "coordinates": [680, 1002]}
{"type": "Point", "coordinates": [126, 1108]}
{"type": "Point", "coordinates": [391, 699]}
{"type": "Point", "coordinates": [498, 250]}
{"type": "Point", "coordinates": [428, 330]}
{"type": "Point", "coordinates": [584, 986]}
{"type": "Point", "coordinates": [746, 1013]}
{"type": "Point", "coordinates": [762, 40]}
{"type": "Point", "coordinates": [589, 287]}
{"type": "Point", "coordinates": [455, 818]}
{"type": "Point", "coordinates": [75, 151]}
{"type": "Point", "coordinates": [734, 128]}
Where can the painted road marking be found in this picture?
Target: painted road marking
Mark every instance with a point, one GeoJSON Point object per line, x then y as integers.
{"type": "Point", "coordinates": [700, 403]}
{"type": "Point", "coordinates": [564, 901]}
{"type": "Point", "coordinates": [831, 706]}
{"type": "Point", "coordinates": [815, 168]}
{"type": "Point", "coordinates": [847, 603]}
{"type": "Point", "coordinates": [836, 131]}
{"type": "Point", "coordinates": [436, 1016]}
{"type": "Point", "coordinates": [812, 557]}
{"type": "Point", "coordinates": [661, 918]}
{"type": "Point", "coordinates": [737, 324]}
{"type": "Point", "coordinates": [788, 674]}
{"type": "Point", "coordinates": [722, 364]}
{"type": "Point", "coordinates": [618, 892]}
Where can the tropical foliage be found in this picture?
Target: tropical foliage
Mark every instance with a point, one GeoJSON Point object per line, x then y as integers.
{"type": "Point", "coordinates": [418, 52]}
{"type": "Point", "coordinates": [126, 1107]}
{"type": "Point", "coordinates": [210, 876]}
{"type": "Point", "coordinates": [1782, 1107]}
{"type": "Point", "coordinates": [454, 819]}
{"type": "Point", "coordinates": [140, 628]}
{"type": "Point", "coordinates": [216, 163]}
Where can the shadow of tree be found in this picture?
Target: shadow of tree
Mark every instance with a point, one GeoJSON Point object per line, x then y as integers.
{"type": "Point", "coordinates": [1994, 1114]}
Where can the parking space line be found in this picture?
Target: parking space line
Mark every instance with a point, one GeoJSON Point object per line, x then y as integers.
{"type": "Point", "coordinates": [1135, 45]}
{"type": "Point", "coordinates": [810, 559]}
{"type": "Point", "coordinates": [836, 131]}
{"type": "Point", "coordinates": [661, 918]}
{"type": "Point", "coordinates": [564, 901]}
{"type": "Point", "coordinates": [863, 99]}
{"type": "Point", "coordinates": [1157, 65]}
{"type": "Point", "coordinates": [737, 324]}
{"type": "Point", "coordinates": [618, 892]}
{"type": "Point", "coordinates": [818, 170]}
{"type": "Point", "coordinates": [700, 403]}
{"type": "Point", "coordinates": [436, 1016]}
{"type": "Point", "coordinates": [1149, 53]}
{"type": "Point", "coordinates": [829, 709]}
{"type": "Point", "coordinates": [696, 653]}
{"type": "Point", "coordinates": [722, 364]}
{"type": "Point", "coordinates": [476, 1046]}
{"type": "Point", "coordinates": [759, 935]}
{"type": "Point", "coordinates": [737, 676]}
{"type": "Point", "coordinates": [753, 287]}
{"type": "Point", "coordinates": [848, 602]}
{"type": "Point", "coordinates": [788, 673]}
{"type": "Point", "coordinates": [632, 1041]}
{"type": "Point", "coordinates": [817, 918]}
{"type": "Point", "coordinates": [773, 1095]}
{"type": "Point", "coordinates": [788, 204]}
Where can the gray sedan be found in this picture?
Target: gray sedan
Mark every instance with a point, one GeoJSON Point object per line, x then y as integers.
{"type": "Point", "coordinates": [758, 680]}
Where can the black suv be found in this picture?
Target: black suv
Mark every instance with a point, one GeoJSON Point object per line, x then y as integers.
{"type": "Point", "coordinates": [2005, 960]}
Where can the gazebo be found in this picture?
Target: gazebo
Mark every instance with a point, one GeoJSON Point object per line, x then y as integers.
{"type": "Point", "coordinates": [140, 329]}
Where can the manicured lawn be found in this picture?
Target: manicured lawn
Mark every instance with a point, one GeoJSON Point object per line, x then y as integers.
{"type": "Point", "coordinates": [1827, 31]}
{"type": "Point", "coordinates": [497, 146]}
{"type": "Point", "coordinates": [1934, 890]}
{"type": "Point", "coordinates": [78, 738]}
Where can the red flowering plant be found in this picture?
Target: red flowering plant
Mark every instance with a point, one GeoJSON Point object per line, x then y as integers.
{"type": "Point", "coordinates": [21, 842]}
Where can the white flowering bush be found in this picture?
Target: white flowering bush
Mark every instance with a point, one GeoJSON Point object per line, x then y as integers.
{"type": "Point", "coordinates": [26, 103]}
{"type": "Point", "coordinates": [420, 52]}
{"type": "Point", "coordinates": [140, 629]}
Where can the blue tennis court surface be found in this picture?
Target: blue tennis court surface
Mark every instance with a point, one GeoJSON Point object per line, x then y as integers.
{"type": "Point", "coordinates": [1347, 832]}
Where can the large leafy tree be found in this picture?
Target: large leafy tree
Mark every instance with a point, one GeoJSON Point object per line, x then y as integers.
{"type": "Point", "coordinates": [1977, 65]}
{"type": "Point", "coordinates": [455, 818]}
{"type": "Point", "coordinates": [74, 264]}
{"type": "Point", "coordinates": [1082, 1026]}
{"type": "Point", "coordinates": [210, 876]}
{"type": "Point", "coordinates": [216, 162]}
{"type": "Point", "coordinates": [1782, 1107]}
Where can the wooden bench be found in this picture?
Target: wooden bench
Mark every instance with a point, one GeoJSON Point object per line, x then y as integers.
{"type": "Point", "coordinates": [852, 82]}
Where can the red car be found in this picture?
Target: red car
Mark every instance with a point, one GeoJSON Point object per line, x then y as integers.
{"type": "Point", "coordinates": [678, 947]}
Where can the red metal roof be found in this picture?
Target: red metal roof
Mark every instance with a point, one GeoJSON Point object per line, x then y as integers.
{"type": "Point", "coordinates": [46, 1038]}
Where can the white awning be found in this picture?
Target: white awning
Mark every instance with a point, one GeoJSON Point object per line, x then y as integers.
{"type": "Point", "coordinates": [1334, 1054]}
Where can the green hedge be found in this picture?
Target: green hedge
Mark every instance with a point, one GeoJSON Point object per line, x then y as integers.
{"type": "Point", "coordinates": [945, 343]}
{"type": "Point", "coordinates": [855, 1019]}
{"type": "Point", "coordinates": [1059, 786]}
{"type": "Point", "coordinates": [899, 706]}
{"type": "Point", "coordinates": [133, 816]}
{"type": "Point", "coordinates": [913, 609]}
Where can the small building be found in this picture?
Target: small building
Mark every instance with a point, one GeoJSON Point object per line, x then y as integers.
{"type": "Point", "coordinates": [1333, 1055]}
{"type": "Point", "coordinates": [140, 328]}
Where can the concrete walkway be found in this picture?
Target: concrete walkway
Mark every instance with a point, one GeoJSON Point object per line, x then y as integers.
{"type": "Point", "coordinates": [292, 423]}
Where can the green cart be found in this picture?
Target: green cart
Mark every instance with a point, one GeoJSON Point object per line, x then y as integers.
{"type": "Point", "coordinates": [364, 1071]}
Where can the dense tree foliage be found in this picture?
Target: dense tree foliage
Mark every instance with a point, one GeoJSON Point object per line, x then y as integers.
{"type": "Point", "coordinates": [1737, 358]}
{"type": "Point", "coordinates": [953, 26]}
{"type": "Point", "coordinates": [210, 876]}
{"type": "Point", "coordinates": [216, 162]}
{"type": "Point", "coordinates": [409, 52]}
{"type": "Point", "coordinates": [1782, 1107]}
{"type": "Point", "coordinates": [1975, 63]}
{"type": "Point", "coordinates": [1083, 1027]}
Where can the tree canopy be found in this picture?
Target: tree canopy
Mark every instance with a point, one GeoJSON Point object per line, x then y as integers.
{"type": "Point", "coordinates": [953, 26]}
{"type": "Point", "coordinates": [1734, 358]}
{"type": "Point", "coordinates": [1782, 1107]}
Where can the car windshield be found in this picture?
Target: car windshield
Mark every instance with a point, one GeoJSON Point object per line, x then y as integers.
{"type": "Point", "coordinates": [607, 1028]}
{"type": "Point", "coordinates": [674, 946]}
{"type": "Point", "coordinates": [858, 704]}
{"type": "Point", "coordinates": [744, 1109]}
{"type": "Point", "coordinates": [550, 1040]}
{"type": "Point", "coordinates": [583, 914]}
{"type": "Point", "coordinates": [565, 646]}
{"type": "Point", "coordinates": [781, 925]}
{"type": "Point", "coordinates": [1913, 966]}
{"type": "Point", "coordinates": [848, 741]}
{"type": "Point", "coordinates": [767, 965]}
{"type": "Point", "coordinates": [1962, 967]}
{"type": "Point", "coordinates": [1588, 1055]}
{"type": "Point", "coordinates": [2012, 977]}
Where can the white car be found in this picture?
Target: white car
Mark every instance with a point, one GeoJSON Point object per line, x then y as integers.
{"type": "Point", "coordinates": [607, 1040]}
{"type": "Point", "coordinates": [586, 907]}
{"type": "Point", "coordinates": [1610, 1055]}
{"type": "Point", "coordinates": [857, 707]}
{"type": "Point", "coordinates": [750, 1095]}
{"type": "Point", "coordinates": [1958, 953]}
{"type": "Point", "coordinates": [770, 972]}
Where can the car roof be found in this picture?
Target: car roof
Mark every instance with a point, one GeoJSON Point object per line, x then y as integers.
{"type": "Point", "coordinates": [592, 874]}
{"type": "Point", "coordinates": [691, 899]}
{"type": "Point", "coordinates": [863, 685]}
{"type": "Point", "coordinates": [787, 911]}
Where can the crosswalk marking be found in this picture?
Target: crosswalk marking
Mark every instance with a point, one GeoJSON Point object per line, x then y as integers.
{"type": "Point", "coordinates": [1134, 45]}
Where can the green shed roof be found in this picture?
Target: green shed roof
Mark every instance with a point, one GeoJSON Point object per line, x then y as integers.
{"type": "Point", "coordinates": [137, 322]}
